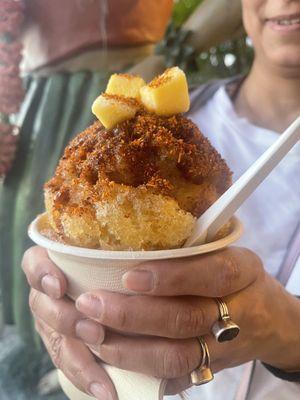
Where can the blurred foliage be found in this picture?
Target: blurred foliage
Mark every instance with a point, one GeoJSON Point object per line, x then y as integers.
{"type": "Point", "coordinates": [230, 58]}
{"type": "Point", "coordinates": [233, 57]}
{"type": "Point", "coordinates": [183, 9]}
{"type": "Point", "coordinates": [176, 50]}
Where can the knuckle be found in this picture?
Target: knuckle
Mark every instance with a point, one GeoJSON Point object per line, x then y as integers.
{"type": "Point", "coordinates": [232, 270]}
{"type": "Point", "coordinates": [174, 364]}
{"type": "Point", "coordinates": [122, 319]}
{"type": "Point", "coordinates": [60, 320]}
{"type": "Point", "coordinates": [78, 375]}
{"type": "Point", "coordinates": [55, 349]}
{"type": "Point", "coordinates": [256, 262]}
{"type": "Point", "coordinates": [230, 274]}
{"type": "Point", "coordinates": [188, 322]}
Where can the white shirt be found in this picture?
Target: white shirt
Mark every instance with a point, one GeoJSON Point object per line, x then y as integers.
{"type": "Point", "coordinates": [270, 216]}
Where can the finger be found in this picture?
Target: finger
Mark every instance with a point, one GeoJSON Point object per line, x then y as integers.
{"type": "Point", "coordinates": [74, 359]}
{"type": "Point", "coordinates": [179, 385]}
{"type": "Point", "coordinates": [229, 354]}
{"type": "Point", "coordinates": [42, 274]}
{"type": "Point", "coordinates": [169, 358]}
{"type": "Point", "coordinates": [222, 356]}
{"type": "Point", "coordinates": [62, 316]}
{"type": "Point", "coordinates": [176, 317]}
{"type": "Point", "coordinates": [159, 357]}
{"type": "Point", "coordinates": [213, 275]}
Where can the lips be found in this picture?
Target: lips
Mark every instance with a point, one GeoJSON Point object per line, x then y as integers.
{"type": "Point", "coordinates": [285, 23]}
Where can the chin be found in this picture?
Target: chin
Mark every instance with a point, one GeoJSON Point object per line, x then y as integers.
{"type": "Point", "coordinates": [287, 57]}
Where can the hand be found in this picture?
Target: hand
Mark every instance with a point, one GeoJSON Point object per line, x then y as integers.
{"type": "Point", "coordinates": [176, 306]}
{"type": "Point", "coordinates": [8, 147]}
{"type": "Point", "coordinates": [62, 328]}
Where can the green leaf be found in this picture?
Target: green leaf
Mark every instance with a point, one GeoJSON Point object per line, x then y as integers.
{"type": "Point", "coordinates": [183, 9]}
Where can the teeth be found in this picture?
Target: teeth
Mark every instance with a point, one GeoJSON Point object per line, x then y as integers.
{"type": "Point", "coordinates": [288, 21]}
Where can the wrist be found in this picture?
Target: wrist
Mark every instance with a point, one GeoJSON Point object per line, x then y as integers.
{"type": "Point", "coordinates": [284, 341]}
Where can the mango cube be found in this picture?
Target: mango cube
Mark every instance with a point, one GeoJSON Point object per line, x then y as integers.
{"type": "Point", "coordinates": [112, 109]}
{"type": "Point", "coordinates": [125, 85]}
{"type": "Point", "coordinates": [167, 94]}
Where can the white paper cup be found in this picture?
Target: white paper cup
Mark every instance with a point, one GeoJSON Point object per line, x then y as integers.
{"type": "Point", "coordinates": [89, 269]}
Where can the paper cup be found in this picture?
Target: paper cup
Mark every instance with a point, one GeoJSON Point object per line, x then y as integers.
{"type": "Point", "coordinates": [89, 269]}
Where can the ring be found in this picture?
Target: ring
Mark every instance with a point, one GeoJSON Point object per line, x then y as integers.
{"type": "Point", "coordinates": [203, 373]}
{"type": "Point", "coordinates": [224, 329]}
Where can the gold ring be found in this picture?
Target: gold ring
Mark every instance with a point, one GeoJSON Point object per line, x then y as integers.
{"type": "Point", "coordinates": [224, 329]}
{"type": "Point", "coordinates": [202, 374]}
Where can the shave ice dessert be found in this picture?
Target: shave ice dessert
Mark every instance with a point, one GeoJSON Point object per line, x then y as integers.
{"type": "Point", "coordinates": [138, 177]}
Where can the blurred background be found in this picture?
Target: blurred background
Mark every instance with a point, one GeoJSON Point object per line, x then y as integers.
{"type": "Point", "coordinates": [203, 37]}
{"type": "Point", "coordinates": [228, 58]}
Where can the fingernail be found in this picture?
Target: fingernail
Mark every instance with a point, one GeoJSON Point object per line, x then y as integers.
{"type": "Point", "coordinates": [89, 331]}
{"type": "Point", "coordinates": [89, 305]}
{"type": "Point", "coordinates": [138, 281]}
{"type": "Point", "coordinates": [51, 286]}
{"type": "Point", "coordinates": [100, 392]}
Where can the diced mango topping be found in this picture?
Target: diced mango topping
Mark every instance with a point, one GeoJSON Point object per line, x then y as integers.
{"type": "Point", "coordinates": [125, 85]}
{"type": "Point", "coordinates": [125, 94]}
{"type": "Point", "coordinates": [112, 109]}
{"type": "Point", "coordinates": [167, 94]}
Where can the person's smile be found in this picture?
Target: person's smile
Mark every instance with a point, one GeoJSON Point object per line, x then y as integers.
{"type": "Point", "coordinates": [284, 23]}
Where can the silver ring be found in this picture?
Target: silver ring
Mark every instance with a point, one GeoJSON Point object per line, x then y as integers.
{"type": "Point", "coordinates": [224, 329]}
{"type": "Point", "coordinates": [203, 373]}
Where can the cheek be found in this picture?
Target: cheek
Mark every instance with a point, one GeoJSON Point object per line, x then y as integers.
{"type": "Point", "coordinates": [280, 50]}
{"type": "Point", "coordinates": [252, 9]}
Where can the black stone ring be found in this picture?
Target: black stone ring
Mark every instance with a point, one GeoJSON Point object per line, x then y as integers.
{"type": "Point", "coordinates": [224, 329]}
